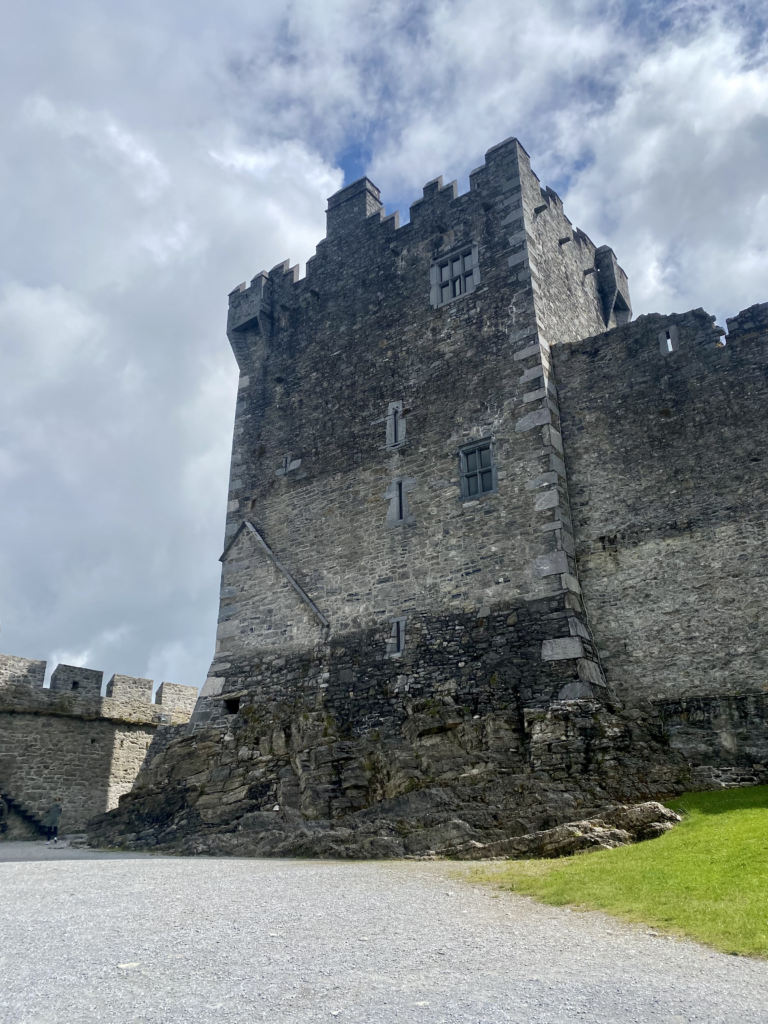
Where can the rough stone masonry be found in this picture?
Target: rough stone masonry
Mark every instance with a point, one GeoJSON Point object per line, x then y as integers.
{"type": "Point", "coordinates": [494, 554]}
{"type": "Point", "coordinates": [68, 741]}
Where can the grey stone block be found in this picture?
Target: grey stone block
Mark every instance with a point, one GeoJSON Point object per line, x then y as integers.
{"type": "Point", "coordinates": [562, 649]}
{"type": "Point", "coordinates": [549, 499]}
{"type": "Point", "coordinates": [553, 564]}
{"type": "Point", "coordinates": [537, 418]}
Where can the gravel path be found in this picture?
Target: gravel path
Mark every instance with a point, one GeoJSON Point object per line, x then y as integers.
{"type": "Point", "coordinates": [150, 940]}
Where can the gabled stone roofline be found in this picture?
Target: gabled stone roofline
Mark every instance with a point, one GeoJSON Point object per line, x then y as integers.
{"type": "Point", "coordinates": [253, 532]}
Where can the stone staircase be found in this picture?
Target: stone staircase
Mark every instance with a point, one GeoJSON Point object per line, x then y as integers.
{"type": "Point", "coordinates": [15, 805]}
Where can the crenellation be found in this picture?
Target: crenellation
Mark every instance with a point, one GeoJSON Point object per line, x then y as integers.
{"type": "Point", "coordinates": [129, 689]}
{"type": "Point", "coordinates": [81, 682]}
{"type": "Point", "coordinates": [24, 671]}
{"type": "Point", "coordinates": [176, 700]}
{"type": "Point", "coordinates": [69, 741]}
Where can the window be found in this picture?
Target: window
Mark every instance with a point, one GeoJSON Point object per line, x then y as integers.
{"type": "Point", "coordinates": [395, 433]}
{"type": "Point", "coordinates": [478, 474]}
{"type": "Point", "coordinates": [75, 684]}
{"type": "Point", "coordinates": [668, 340]}
{"type": "Point", "coordinates": [232, 705]}
{"type": "Point", "coordinates": [454, 276]}
{"type": "Point", "coordinates": [396, 641]}
{"type": "Point", "coordinates": [399, 513]}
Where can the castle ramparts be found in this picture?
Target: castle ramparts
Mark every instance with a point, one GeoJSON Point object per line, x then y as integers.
{"type": "Point", "coordinates": [69, 741]}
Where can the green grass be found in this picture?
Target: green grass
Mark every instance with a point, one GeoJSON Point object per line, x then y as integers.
{"type": "Point", "coordinates": [707, 878]}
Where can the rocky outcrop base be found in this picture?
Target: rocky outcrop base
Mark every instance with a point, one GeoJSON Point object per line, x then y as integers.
{"type": "Point", "coordinates": [289, 782]}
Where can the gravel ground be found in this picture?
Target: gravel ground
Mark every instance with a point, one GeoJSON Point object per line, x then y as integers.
{"type": "Point", "coordinates": [145, 940]}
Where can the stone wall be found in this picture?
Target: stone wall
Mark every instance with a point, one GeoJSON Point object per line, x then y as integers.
{"type": "Point", "coordinates": [89, 764]}
{"type": "Point", "coordinates": [719, 731]}
{"type": "Point", "coordinates": [665, 453]}
{"type": "Point", "coordinates": [70, 742]}
{"type": "Point", "coordinates": [324, 359]}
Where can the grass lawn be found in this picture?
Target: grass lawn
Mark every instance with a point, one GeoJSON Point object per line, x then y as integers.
{"type": "Point", "coordinates": [707, 878]}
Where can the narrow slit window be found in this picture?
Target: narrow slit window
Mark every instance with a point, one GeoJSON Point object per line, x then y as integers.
{"type": "Point", "coordinates": [478, 473]}
{"type": "Point", "coordinates": [396, 421]}
{"type": "Point", "coordinates": [668, 340]}
{"type": "Point", "coordinates": [396, 641]}
{"type": "Point", "coordinates": [399, 512]}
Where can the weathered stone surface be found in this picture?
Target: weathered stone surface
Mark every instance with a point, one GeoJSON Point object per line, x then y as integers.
{"type": "Point", "coordinates": [69, 742]}
{"type": "Point", "coordinates": [562, 841]}
{"type": "Point", "coordinates": [440, 780]}
{"type": "Point", "coordinates": [665, 455]}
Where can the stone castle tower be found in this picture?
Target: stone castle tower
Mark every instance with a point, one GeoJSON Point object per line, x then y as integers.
{"type": "Point", "coordinates": [494, 552]}
{"type": "Point", "coordinates": [397, 463]}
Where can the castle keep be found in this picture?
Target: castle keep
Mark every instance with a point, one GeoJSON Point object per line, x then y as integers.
{"type": "Point", "coordinates": [397, 441]}
{"type": "Point", "coordinates": [494, 553]}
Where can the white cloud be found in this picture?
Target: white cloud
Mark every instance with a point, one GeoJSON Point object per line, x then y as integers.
{"type": "Point", "coordinates": [107, 140]}
{"type": "Point", "coordinates": [48, 334]}
{"type": "Point", "coordinates": [676, 175]}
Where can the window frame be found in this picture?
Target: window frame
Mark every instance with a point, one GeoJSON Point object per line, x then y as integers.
{"type": "Point", "coordinates": [464, 473]}
{"type": "Point", "coordinates": [395, 426]}
{"type": "Point", "coordinates": [396, 639]}
{"type": "Point", "coordinates": [466, 273]}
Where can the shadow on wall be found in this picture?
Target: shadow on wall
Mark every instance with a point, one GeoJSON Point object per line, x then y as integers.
{"type": "Point", "coordinates": [70, 742]}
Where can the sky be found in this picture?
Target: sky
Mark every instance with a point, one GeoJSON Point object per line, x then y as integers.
{"type": "Point", "coordinates": [153, 156]}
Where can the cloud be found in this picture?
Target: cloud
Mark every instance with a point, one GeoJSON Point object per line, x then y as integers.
{"type": "Point", "coordinates": [155, 155]}
{"type": "Point", "coordinates": [49, 334]}
{"type": "Point", "coordinates": [675, 174]}
{"type": "Point", "coordinates": [104, 140]}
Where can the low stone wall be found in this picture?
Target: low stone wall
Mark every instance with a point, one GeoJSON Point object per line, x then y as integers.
{"type": "Point", "coordinates": [69, 742]}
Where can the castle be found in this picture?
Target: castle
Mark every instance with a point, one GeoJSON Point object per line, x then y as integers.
{"type": "Point", "coordinates": [494, 552]}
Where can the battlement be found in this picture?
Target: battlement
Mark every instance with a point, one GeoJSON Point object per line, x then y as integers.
{"type": "Point", "coordinates": [350, 205]}
{"type": "Point", "coordinates": [752, 320]}
{"type": "Point", "coordinates": [76, 692]}
{"type": "Point", "coordinates": [359, 233]}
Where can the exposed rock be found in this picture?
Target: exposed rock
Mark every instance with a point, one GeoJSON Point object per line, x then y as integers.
{"type": "Point", "coordinates": [618, 826]}
{"type": "Point", "coordinates": [409, 792]}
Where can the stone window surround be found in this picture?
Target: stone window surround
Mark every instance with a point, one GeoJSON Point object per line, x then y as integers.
{"type": "Point", "coordinates": [465, 450]}
{"type": "Point", "coordinates": [396, 425]}
{"type": "Point", "coordinates": [668, 340]}
{"type": "Point", "coordinates": [399, 511]}
{"type": "Point", "coordinates": [396, 639]}
{"type": "Point", "coordinates": [462, 251]}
